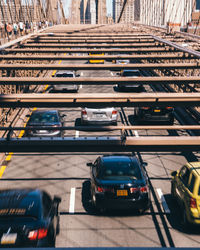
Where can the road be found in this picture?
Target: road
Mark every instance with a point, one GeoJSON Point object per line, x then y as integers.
{"type": "Point", "coordinates": [66, 175]}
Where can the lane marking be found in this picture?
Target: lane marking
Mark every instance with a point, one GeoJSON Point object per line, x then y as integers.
{"type": "Point", "coordinates": [136, 133]}
{"type": "Point", "coordinates": [72, 201]}
{"type": "Point", "coordinates": [77, 134]}
{"type": "Point", "coordinates": [163, 201]}
{"type": "Point", "coordinates": [8, 158]}
{"type": "Point", "coordinates": [81, 86]}
{"type": "Point", "coordinates": [2, 169]}
{"type": "Point", "coordinates": [111, 73]}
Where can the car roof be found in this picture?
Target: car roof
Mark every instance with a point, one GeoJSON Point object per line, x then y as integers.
{"type": "Point", "coordinates": [64, 71]}
{"type": "Point", "coordinates": [46, 110]}
{"type": "Point", "coordinates": [195, 166]}
{"type": "Point", "coordinates": [130, 70]}
{"type": "Point", "coordinates": [22, 202]}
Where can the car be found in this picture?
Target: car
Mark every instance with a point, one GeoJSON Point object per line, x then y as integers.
{"type": "Point", "coordinates": [119, 182]}
{"type": "Point", "coordinates": [39, 119]}
{"type": "Point", "coordinates": [99, 116]}
{"type": "Point", "coordinates": [185, 189]}
{"type": "Point", "coordinates": [28, 218]}
{"type": "Point", "coordinates": [130, 73]}
{"type": "Point", "coordinates": [65, 87]}
{"type": "Point", "coordinates": [153, 115]}
{"type": "Point", "coordinates": [96, 60]}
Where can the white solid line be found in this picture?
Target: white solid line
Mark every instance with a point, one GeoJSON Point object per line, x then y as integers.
{"type": "Point", "coordinates": [136, 133]}
{"type": "Point", "coordinates": [81, 73]}
{"type": "Point", "coordinates": [163, 201]}
{"type": "Point", "coordinates": [81, 86]}
{"type": "Point", "coordinates": [77, 134]}
{"type": "Point", "coordinates": [72, 201]}
{"type": "Point", "coordinates": [112, 74]}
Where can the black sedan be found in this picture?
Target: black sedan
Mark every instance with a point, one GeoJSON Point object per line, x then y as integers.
{"type": "Point", "coordinates": [40, 119]}
{"type": "Point", "coordinates": [119, 182]}
{"type": "Point", "coordinates": [28, 218]}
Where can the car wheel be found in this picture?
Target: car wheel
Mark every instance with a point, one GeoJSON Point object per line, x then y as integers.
{"type": "Point", "coordinates": [173, 194]}
{"type": "Point", "coordinates": [58, 227]}
{"type": "Point", "coordinates": [185, 221]}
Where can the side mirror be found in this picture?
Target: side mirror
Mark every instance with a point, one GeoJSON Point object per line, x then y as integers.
{"type": "Point", "coordinates": [89, 164]}
{"type": "Point", "coordinates": [56, 199]}
{"type": "Point", "coordinates": [174, 173]}
{"type": "Point", "coordinates": [144, 164]}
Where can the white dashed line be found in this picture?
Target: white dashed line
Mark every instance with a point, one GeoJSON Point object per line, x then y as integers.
{"type": "Point", "coordinates": [72, 201]}
{"type": "Point", "coordinates": [163, 201]}
{"type": "Point", "coordinates": [112, 74]}
{"type": "Point", "coordinates": [136, 133]}
{"type": "Point", "coordinates": [77, 134]}
{"type": "Point", "coordinates": [81, 86]}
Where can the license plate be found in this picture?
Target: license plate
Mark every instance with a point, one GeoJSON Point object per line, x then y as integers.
{"type": "Point", "coordinates": [8, 239]}
{"type": "Point", "coordinates": [156, 110]}
{"type": "Point", "coordinates": [122, 192]}
{"type": "Point", "coordinates": [42, 131]}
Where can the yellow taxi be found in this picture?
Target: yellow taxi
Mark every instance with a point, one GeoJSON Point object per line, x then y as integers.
{"type": "Point", "coordinates": [96, 60]}
{"type": "Point", "coordinates": [185, 188]}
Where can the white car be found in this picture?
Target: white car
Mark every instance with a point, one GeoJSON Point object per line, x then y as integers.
{"type": "Point", "coordinates": [102, 116]}
{"type": "Point", "coordinates": [65, 87]}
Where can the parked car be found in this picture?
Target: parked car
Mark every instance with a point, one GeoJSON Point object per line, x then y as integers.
{"type": "Point", "coordinates": [65, 87]}
{"type": "Point", "coordinates": [40, 119]}
{"type": "Point", "coordinates": [28, 218]}
{"type": "Point", "coordinates": [154, 115]}
{"type": "Point", "coordinates": [185, 188]}
{"type": "Point", "coordinates": [130, 73]}
{"type": "Point", "coordinates": [119, 182]}
{"type": "Point", "coordinates": [95, 116]}
{"type": "Point", "coordinates": [96, 60]}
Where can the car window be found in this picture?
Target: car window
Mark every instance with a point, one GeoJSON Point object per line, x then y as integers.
{"type": "Point", "coordinates": [120, 170]}
{"type": "Point", "coordinates": [191, 184]}
{"type": "Point", "coordinates": [184, 175]}
{"type": "Point", "coordinates": [65, 75]}
{"type": "Point", "coordinates": [129, 73]}
{"type": "Point", "coordinates": [47, 204]}
{"type": "Point", "coordinates": [44, 117]}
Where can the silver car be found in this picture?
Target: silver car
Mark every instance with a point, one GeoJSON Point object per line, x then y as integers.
{"type": "Point", "coordinates": [65, 87]}
{"type": "Point", "coordinates": [95, 116]}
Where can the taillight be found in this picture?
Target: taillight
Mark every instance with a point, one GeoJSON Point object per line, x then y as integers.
{"type": "Point", "coordinates": [145, 108]}
{"type": "Point", "coordinates": [114, 112]}
{"type": "Point", "coordinates": [133, 190]}
{"type": "Point", "coordinates": [144, 189]}
{"type": "Point", "coordinates": [84, 112]}
{"type": "Point", "coordinates": [193, 203]}
{"type": "Point", "coordinates": [169, 108]}
{"type": "Point", "coordinates": [37, 234]}
{"type": "Point", "coordinates": [105, 189]}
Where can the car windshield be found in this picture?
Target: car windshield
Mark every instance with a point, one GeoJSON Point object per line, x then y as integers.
{"type": "Point", "coordinates": [120, 170]}
{"type": "Point", "coordinates": [44, 118]}
{"type": "Point", "coordinates": [131, 73]}
{"type": "Point", "coordinates": [65, 75]}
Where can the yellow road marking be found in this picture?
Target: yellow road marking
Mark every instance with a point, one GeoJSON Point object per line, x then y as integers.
{"type": "Point", "coordinates": [9, 156]}
{"type": "Point", "coordinates": [2, 170]}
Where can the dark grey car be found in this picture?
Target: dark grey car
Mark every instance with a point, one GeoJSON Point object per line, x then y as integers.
{"type": "Point", "coordinates": [40, 119]}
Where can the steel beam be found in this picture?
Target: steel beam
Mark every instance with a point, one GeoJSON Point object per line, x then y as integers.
{"type": "Point", "coordinates": [178, 47]}
{"type": "Point", "coordinates": [92, 45]}
{"type": "Point", "coordinates": [100, 100]}
{"type": "Point", "coordinates": [77, 50]}
{"type": "Point", "coordinates": [98, 80]}
{"type": "Point", "coordinates": [144, 66]}
{"type": "Point", "coordinates": [101, 144]}
{"type": "Point", "coordinates": [105, 57]}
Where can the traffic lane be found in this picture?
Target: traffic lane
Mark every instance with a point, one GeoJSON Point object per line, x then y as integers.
{"type": "Point", "coordinates": [58, 174]}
